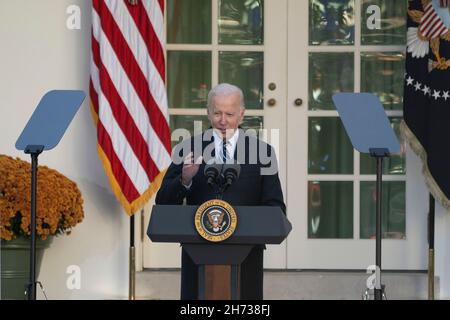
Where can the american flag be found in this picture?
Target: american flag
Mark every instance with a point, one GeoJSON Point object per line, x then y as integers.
{"type": "Point", "coordinates": [128, 97]}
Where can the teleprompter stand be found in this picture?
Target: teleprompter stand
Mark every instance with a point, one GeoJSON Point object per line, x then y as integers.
{"type": "Point", "coordinates": [369, 130]}
{"type": "Point", "coordinates": [43, 131]}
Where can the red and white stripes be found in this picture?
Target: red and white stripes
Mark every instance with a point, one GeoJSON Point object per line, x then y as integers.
{"type": "Point", "coordinates": [431, 26]}
{"type": "Point", "coordinates": [128, 96]}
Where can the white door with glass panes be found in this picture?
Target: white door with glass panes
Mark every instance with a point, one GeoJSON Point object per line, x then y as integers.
{"type": "Point", "coordinates": [348, 46]}
{"type": "Point", "coordinates": [289, 57]}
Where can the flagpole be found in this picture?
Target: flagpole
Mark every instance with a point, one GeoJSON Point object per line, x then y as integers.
{"type": "Point", "coordinates": [431, 215]}
{"type": "Point", "coordinates": [132, 264]}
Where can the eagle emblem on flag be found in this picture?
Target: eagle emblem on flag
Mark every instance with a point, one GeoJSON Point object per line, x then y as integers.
{"type": "Point", "coordinates": [431, 30]}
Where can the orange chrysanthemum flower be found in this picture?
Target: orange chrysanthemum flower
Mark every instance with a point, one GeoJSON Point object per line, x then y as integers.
{"type": "Point", "coordinates": [59, 205]}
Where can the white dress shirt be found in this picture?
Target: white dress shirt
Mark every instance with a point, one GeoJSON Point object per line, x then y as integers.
{"type": "Point", "coordinates": [231, 145]}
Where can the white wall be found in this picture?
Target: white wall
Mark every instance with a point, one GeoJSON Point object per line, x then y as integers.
{"type": "Point", "coordinates": [38, 53]}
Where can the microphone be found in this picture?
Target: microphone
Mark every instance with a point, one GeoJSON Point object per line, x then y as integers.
{"type": "Point", "coordinates": [211, 173]}
{"type": "Point", "coordinates": [231, 173]}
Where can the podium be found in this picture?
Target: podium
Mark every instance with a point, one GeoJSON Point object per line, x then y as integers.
{"type": "Point", "coordinates": [219, 263]}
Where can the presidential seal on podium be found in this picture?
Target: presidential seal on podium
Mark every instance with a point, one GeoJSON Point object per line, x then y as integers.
{"type": "Point", "coordinates": [215, 220]}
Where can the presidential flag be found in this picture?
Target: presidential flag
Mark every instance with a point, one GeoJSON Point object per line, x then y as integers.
{"type": "Point", "coordinates": [128, 96]}
{"type": "Point", "coordinates": [426, 122]}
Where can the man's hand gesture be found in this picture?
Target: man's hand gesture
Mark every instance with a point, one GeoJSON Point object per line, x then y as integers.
{"type": "Point", "coordinates": [190, 168]}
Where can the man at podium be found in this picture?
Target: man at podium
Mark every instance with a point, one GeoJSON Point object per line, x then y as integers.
{"type": "Point", "coordinates": [258, 183]}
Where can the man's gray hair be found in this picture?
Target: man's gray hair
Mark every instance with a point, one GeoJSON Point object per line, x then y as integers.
{"type": "Point", "coordinates": [224, 89]}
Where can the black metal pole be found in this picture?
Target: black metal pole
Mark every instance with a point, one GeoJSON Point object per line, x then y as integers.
{"type": "Point", "coordinates": [132, 231]}
{"type": "Point", "coordinates": [32, 281]}
{"type": "Point", "coordinates": [431, 216]}
{"type": "Point", "coordinates": [132, 264]}
{"type": "Point", "coordinates": [378, 289]}
{"type": "Point", "coordinates": [431, 223]}
{"type": "Point", "coordinates": [34, 151]}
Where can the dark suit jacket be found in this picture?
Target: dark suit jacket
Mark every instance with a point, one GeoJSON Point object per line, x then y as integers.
{"type": "Point", "coordinates": [252, 188]}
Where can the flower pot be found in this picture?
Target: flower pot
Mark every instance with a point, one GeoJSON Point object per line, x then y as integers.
{"type": "Point", "coordinates": [15, 265]}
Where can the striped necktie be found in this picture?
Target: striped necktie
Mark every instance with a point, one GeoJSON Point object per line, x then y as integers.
{"type": "Point", "coordinates": [224, 151]}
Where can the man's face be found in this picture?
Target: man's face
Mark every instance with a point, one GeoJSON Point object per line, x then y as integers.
{"type": "Point", "coordinates": [226, 115]}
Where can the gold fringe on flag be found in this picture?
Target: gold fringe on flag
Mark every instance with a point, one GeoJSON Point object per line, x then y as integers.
{"type": "Point", "coordinates": [420, 151]}
{"type": "Point", "coordinates": [130, 208]}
